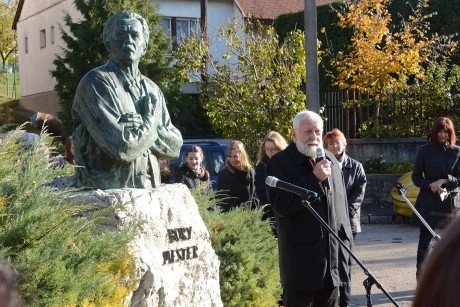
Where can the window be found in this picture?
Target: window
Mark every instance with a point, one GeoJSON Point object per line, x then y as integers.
{"type": "Point", "coordinates": [42, 38]}
{"type": "Point", "coordinates": [177, 29]}
{"type": "Point", "coordinates": [52, 34]}
{"type": "Point", "coordinates": [166, 25]}
{"type": "Point", "coordinates": [26, 44]}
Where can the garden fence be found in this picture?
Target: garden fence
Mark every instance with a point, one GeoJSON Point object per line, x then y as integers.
{"type": "Point", "coordinates": [361, 108]}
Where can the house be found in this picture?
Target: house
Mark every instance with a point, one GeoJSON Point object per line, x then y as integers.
{"type": "Point", "coordinates": [38, 32]}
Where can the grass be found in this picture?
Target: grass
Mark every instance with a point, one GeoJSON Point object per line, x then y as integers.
{"type": "Point", "coordinates": [9, 101]}
{"type": "Point", "coordinates": [9, 86]}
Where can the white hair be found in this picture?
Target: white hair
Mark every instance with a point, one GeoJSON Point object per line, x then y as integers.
{"type": "Point", "coordinates": [306, 115]}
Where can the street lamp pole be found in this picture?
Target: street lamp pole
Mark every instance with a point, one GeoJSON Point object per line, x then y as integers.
{"type": "Point", "coordinates": [311, 49]}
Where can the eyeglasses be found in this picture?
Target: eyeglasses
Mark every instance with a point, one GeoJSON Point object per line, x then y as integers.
{"type": "Point", "coordinates": [271, 150]}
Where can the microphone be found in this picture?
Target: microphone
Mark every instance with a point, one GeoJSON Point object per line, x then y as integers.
{"type": "Point", "coordinates": [276, 183]}
{"type": "Point", "coordinates": [321, 155]}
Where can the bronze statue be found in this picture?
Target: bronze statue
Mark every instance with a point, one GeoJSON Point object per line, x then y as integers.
{"type": "Point", "coordinates": [122, 125]}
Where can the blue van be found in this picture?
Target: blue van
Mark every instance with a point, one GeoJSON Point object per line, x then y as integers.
{"type": "Point", "coordinates": [215, 154]}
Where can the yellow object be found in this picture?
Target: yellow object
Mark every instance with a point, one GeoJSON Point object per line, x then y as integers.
{"type": "Point", "coordinates": [400, 205]}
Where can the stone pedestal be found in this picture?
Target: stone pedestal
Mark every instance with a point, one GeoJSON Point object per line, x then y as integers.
{"type": "Point", "coordinates": [175, 262]}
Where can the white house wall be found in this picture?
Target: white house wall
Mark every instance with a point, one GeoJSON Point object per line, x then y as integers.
{"type": "Point", "coordinates": [37, 85]}
{"type": "Point", "coordinates": [220, 12]}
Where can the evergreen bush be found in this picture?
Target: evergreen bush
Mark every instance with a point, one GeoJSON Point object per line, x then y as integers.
{"type": "Point", "coordinates": [247, 250]}
{"type": "Point", "coordinates": [62, 257]}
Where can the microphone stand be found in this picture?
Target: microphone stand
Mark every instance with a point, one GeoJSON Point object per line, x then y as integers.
{"type": "Point", "coordinates": [370, 280]}
{"type": "Point", "coordinates": [401, 191]}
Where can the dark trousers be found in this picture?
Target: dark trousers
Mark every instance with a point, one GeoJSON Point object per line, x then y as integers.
{"type": "Point", "coordinates": [345, 291]}
{"type": "Point", "coordinates": [424, 247]}
{"type": "Point", "coordinates": [326, 297]}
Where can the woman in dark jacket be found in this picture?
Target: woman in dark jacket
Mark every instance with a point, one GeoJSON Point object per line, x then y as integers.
{"type": "Point", "coordinates": [236, 179]}
{"type": "Point", "coordinates": [272, 143]}
{"type": "Point", "coordinates": [437, 174]}
{"type": "Point", "coordinates": [192, 173]}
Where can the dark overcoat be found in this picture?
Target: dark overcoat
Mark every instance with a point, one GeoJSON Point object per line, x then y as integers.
{"type": "Point", "coordinates": [236, 188]}
{"type": "Point", "coordinates": [186, 176]}
{"type": "Point", "coordinates": [307, 253]}
{"type": "Point", "coordinates": [355, 187]}
{"type": "Point", "coordinates": [260, 176]}
{"type": "Point", "coordinates": [435, 161]}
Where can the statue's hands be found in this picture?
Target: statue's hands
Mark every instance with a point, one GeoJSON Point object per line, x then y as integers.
{"type": "Point", "coordinates": [148, 106]}
{"type": "Point", "coordinates": [131, 119]}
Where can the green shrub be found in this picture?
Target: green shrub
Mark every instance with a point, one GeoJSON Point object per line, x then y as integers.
{"type": "Point", "coordinates": [379, 166]}
{"type": "Point", "coordinates": [248, 254]}
{"type": "Point", "coordinates": [63, 257]}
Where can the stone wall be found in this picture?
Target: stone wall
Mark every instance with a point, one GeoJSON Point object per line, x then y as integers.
{"type": "Point", "coordinates": [392, 150]}
{"type": "Point", "coordinates": [378, 189]}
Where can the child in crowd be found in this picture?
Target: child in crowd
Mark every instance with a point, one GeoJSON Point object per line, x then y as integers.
{"type": "Point", "coordinates": [192, 172]}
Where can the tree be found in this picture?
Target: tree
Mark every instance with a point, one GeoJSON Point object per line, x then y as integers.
{"type": "Point", "coordinates": [381, 59]}
{"type": "Point", "coordinates": [256, 88]}
{"type": "Point", "coordinates": [8, 40]}
{"type": "Point", "coordinates": [85, 49]}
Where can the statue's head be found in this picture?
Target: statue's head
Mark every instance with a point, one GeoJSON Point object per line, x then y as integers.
{"type": "Point", "coordinates": [121, 25]}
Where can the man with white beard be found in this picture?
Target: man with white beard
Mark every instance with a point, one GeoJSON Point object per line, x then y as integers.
{"type": "Point", "coordinates": [312, 263]}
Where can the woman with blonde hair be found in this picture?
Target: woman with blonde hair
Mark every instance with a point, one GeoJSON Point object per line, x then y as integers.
{"type": "Point", "coordinates": [272, 143]}
{"type": "Point", "coordinates": [236, 180]}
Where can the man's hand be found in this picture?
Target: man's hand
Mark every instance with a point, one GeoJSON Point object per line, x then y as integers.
{"type": "Point", "coordinates": [322, 170]}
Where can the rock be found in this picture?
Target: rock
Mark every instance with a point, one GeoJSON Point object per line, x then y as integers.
{"type": "Point", "coordinates": [175, 262]}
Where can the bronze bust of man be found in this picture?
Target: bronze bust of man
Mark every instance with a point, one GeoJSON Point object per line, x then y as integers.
{"type": "Point", "coordinates": [121, 123]}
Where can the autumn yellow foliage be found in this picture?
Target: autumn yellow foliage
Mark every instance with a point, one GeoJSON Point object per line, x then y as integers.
{"type": "Point", "coordinates": [380, 58]}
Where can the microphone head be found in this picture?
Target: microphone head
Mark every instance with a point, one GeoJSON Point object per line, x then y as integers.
{"type": "Point", "coordinates": [271, 181]}
{"type": "Point", "coordinates": [320, 153]}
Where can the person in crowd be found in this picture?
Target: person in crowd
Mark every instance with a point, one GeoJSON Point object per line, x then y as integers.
{"type": "Point", "coordinates": [437, 174]}
{"type": "Point", "coordinates": [312, 262]}
{"type": "Point", "coordinates": [192, 172]}
{"type": "Point", "coordinates": [272, 143]}
{"type": "Point", "coordinates": [121, 122]}
{"type": "Point", "coordinates": [355, 186]}
{"type": "Point", "coordinates": [165, 171]}
{"type": "Point", "coordinates": [61, 160]}
{"type": "Point", "coordinates": [52, 125]}
{"type": "Point", "coordinates": [236, 180]}
{"type": "Point", "coordinates": [26, 139]}
{"type": "Point", "coordinates": [439, 277]}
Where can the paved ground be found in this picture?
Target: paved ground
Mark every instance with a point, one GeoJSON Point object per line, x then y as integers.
{"type": "Point", "coordinates": [388, 252]}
